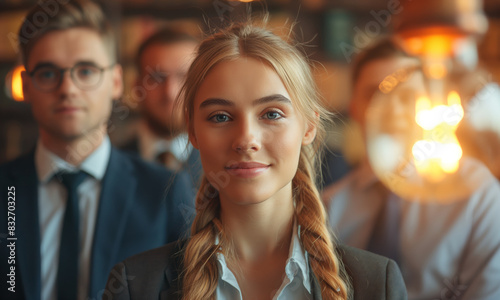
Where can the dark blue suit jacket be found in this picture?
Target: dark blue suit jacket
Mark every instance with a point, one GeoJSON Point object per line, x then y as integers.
{"type": "Point", "coordinates": [142, 206]}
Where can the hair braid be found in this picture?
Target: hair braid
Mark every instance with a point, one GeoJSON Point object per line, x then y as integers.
{"type": "Point", "coordinates": [314, 234]}
{"type": "Point", "coordinates": [201, 272]}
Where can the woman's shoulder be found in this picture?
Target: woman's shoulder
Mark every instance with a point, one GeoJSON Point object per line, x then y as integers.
{"type": "Point", "coordinates": [148, 275]}
{"type": "Point", "coordinates": [161, 256]}
{"type": "Point", "coordinates": [372, 276]}
{"type": "Point", "coordinates": [356, 259]}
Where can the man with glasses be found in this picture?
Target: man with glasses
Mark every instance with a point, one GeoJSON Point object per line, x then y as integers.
{"type": "Point", "coordinates": [77, 205]}
{"type": "Point", "coordinates": [163, 60]}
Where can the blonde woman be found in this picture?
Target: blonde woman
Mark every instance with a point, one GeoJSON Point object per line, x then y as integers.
{"type": "Point", "coordinates": [253, 112]}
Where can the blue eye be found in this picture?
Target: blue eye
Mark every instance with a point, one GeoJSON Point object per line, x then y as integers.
{"type": "Point", "coordinates": [46, 74]}
{"type": "Point", "coordinates": [159, 77]}
{"type": "Point", "coordinates": [86, 71]}
{"type": "Point", "coordinates": [273, 115]}
{"type": "Point", "coordinates": [220, 118]}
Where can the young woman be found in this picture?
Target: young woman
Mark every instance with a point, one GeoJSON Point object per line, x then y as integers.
{"type": "Point", "coordinates": [253, 112]}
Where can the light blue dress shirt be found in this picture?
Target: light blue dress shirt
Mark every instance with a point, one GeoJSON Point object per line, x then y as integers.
{"type": "Point", "coordinates": [296, 282]}
{"type": "Point", "coordinates": [447, 250]}
{"type": "Point", "coordinates": [51, 207]}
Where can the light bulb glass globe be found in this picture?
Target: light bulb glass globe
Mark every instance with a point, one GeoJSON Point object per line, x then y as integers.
{"type": "Point", "coordinates": [412, 130]}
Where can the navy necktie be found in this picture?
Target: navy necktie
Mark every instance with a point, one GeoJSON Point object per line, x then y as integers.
{"type": "Point", "coordinates": [67, 273]}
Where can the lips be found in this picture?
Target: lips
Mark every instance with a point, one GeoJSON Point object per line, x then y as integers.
{"type": "Point", "coordinates": [67, 109]}
{"type": "Point", "coordinates": [247, 169]}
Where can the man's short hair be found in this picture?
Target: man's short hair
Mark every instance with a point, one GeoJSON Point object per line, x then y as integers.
{"type": "Point", "coordinates": [382, 49]}
{"type": "Point", "coordinates": [51, 15]}
{"type": "Point", "coordinates": [164, 36]}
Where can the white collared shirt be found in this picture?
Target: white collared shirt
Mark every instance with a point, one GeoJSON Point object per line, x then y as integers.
{"type": "Point", "coordinates": [151, 145]}
{"type": "Point", "coordinates": [51, 207]}
{"type": "Point", "coordinates": [296, 282]}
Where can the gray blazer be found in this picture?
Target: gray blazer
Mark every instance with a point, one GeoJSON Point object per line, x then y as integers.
{"type": "Point", "coordinates": [154, 275]}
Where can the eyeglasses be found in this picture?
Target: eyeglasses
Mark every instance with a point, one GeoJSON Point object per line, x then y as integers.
{"type": "Point", "coordinates": [86, 76]}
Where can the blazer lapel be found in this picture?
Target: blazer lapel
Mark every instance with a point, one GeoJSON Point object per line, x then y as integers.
{"type": "Point", "coordinates": [315, 287]}
{"type": "Point", "coordinates": [173, 288]}
{"type": "Point", "coordinates": [25, 180]}
{"type": "Point", "coordinates": [118, 186]}
{"type": "Point", "coordinates": [172, 293]}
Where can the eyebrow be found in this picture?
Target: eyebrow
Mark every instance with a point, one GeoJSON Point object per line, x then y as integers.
{"type": "Point", "coordinates": [45, 64]}
{"type": "Point", "coordinates": [272, 98]}
{"type": "Point", "coordinates": [260, 101]}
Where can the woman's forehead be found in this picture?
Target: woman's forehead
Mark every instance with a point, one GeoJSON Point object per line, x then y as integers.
{"type": "Point", "coordinates": [241, 79]}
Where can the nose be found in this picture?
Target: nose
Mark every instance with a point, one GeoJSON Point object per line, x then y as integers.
{"type": "Point", "coordinates": [67, 85]}
{"type": "Point", "coordinates": [247, 137]}
{"type": "Point", "coordinates": [171, 88]}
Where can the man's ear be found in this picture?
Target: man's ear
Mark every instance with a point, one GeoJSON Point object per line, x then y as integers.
{"type": "Point", "coordinates": [191, 134]}
{"type": "Point", "coordinates": [25, 78]}
{"type": "Point", "coordinates": [311, 130]}
{"type": "Point", "coordinates": [117, 82]}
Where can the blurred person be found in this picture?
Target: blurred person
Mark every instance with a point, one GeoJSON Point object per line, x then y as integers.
{"type": "Point", "coordinates": [334, 167]}
{"type": "Point", "coordinates": [480, 133]}
{"type": "Point", "coordinates": [260, 232]}
{"type": "Point", "coordinates": [334, 164]}
{"type": "Point", "coordinates": [445, 250]}
{"type": "Point", "coordinates": [162, 61]}
{"type": "Point", "coordinates": [77, 205]}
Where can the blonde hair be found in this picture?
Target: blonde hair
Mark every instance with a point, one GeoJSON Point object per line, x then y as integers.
{"type": "Point", "coordinates": [200, 277]}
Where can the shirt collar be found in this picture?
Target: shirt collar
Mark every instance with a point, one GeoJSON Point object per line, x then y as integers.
{"type": "Point", "coordinates": [224, 273]}
{"type": "Point", "coordinates": [47, 163]}
{"type": "Point", "coordinates": [150, 145]}
{"type": "Point", "coordinates": [297, 263]}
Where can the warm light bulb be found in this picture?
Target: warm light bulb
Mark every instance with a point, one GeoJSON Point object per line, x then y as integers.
{"type": "Point", "coordinates": [17, 84]}
{"type": "Point", "coordinates": [422, 129]}
{"type": "Point", "coordinates": [14, 84]}
{"type": "Point", "coordinates": [411, 128]}
{"type": "Point", "coordinates": [439, 124]}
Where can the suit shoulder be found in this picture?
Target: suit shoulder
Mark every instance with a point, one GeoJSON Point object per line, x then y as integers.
{"type": "Point", "coordinates": [148, 274]}
{"type": "Point", "coordinates": [20, 161]}
{"type": "Point", "coordinates": [153, 265]}
{"type": "Point", "coordinates": [358, 259]}
{"type": "Point", "coordinates": [372, 276]}
{"type": "Point", "coordinates": [160, 257]}
{"type": "Point", "coordinates": [18, 168]}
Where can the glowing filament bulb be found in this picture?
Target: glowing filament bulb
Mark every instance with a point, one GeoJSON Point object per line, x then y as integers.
{"type": "Point", "coordinates": [439, 151]}
{"type": "Point", "coordinates": [456, 111]}
{"type": "Point", "coordinates": [423, 113]}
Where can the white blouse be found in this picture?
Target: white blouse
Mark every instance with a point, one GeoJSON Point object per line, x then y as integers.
{"type": "Point", "coordinates": [296, 282]}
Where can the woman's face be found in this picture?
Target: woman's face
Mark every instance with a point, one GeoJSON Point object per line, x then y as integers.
{"type": "Point", "coordinates": [248, 132]}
